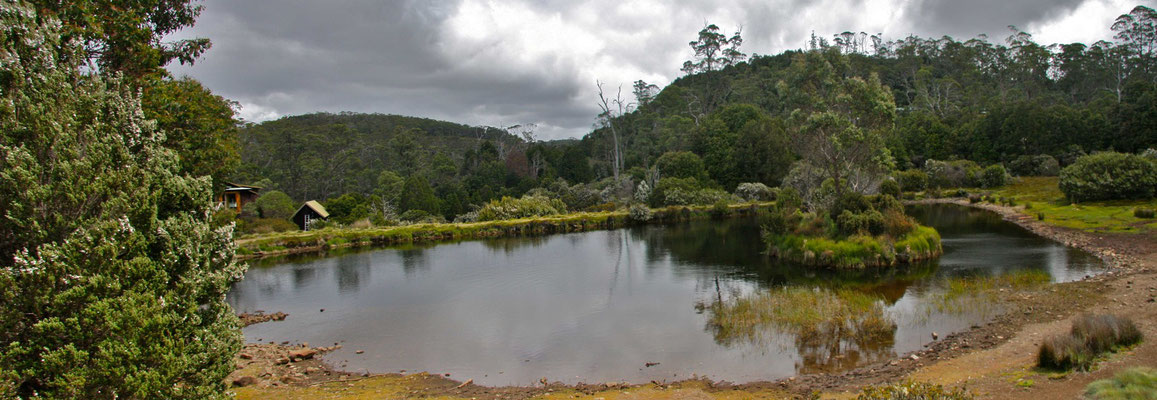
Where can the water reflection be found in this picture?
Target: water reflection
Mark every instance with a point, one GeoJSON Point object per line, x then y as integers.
{"type": "Point", "coordinates": [597, 306]}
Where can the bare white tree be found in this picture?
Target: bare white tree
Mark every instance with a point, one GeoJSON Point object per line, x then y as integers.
{"type": "Point", "coordinates": [612, 109]}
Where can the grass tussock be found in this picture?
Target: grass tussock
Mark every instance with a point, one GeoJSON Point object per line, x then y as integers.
{"type": "Point", "coordinates": [1133, 383]}
{"type": "Point", "coordinates": [1091, 336]}
{"type": "Point", "coordinates": [811, 315]}
{"type": "Point", "coordinates": [913, 391]}
{"type": "Point", "coordinates": [856, 251]}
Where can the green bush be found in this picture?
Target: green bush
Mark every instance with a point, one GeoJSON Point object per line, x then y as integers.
{"type": "Point", "coordinates": [912, 391]}
{"type": "Point", "coordinates": [850, 201]}
{"type": "Point", "coordinates": [1132, 383]}
{"type": "Point", "coordinates": [414, 215]}
{"type": "Point", "coordinates": [681, 164]}
{"type": "Point", "coordinates": [951, 174]}
{"type": "Point", "coordinates": [275, 204]}
{"type": "Point", "coordinates": [912, 180]}
{"type": "Point", "coordinates": [993, 176]}
{"type": "Point", "coordinates": [1146, 213]}
{"type": "Point", "coordinates": [870, 222]}
{"type": "Point", "coordinates": [720, 208]}
{"type": "Point", "coordinates": [659, 196]}
{"type": "Point", "coordinates": [112, 281]}
{"type": "Point", "coordinates": [1109, 176]}
{"type": "Point", "coordinates": [754, 191]}
{"type": "Point", "coordinates": [1038, 165]}
{"type": "Point", "coordinates": [887, 203]}
{"type": "Point", "coordinates": [640, 213]}
{"type": "Point", "coordinates": [525, 207]}
{"type": "Point", "coordinates": [788, 200]}
{"type": "Point", "coordinates": [222, 217]}
{"type": "Point", "coordinates": [890, 187]}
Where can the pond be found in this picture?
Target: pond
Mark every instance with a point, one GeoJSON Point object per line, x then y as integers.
{"type": "Point", "coordinates": [606, 306]}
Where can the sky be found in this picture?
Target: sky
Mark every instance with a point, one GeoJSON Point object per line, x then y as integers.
{"type": "Point", "coordinates": [501, 63]}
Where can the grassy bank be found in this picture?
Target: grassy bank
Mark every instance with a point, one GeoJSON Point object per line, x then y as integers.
{"type": "Point", "coordinates": [262, 245]}
{"type": "Point", "coordinates": [1041, 196]}
{"type": "Point", "coordinates": [858, 251]}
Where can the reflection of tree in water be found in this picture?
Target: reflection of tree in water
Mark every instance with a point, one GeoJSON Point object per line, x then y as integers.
{"type": "Point", "coordinates": [414, 261]}
{"type": "Point", "coordinates": [831, 330]}
{"type": "Point", "coordinates": [352, 272]}
{"type": "Point", "coordinates": [509, 245]}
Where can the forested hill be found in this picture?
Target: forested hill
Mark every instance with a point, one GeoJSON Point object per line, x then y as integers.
{"type": "Point", "coordinates": [316, 156]}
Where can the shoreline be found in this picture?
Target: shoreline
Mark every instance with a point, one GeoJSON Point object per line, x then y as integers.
{"type": "Point", "coordinates": [1049, 305]}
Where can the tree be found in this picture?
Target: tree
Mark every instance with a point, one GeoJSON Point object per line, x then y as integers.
{"type": "Point", "coordinates": [644, 92]}
{"type": "Point", "coordinates": [714, 51]}
{"type": "Point", "coordinates": [838, 122]}
{"type": "Point", "coordinates": [112, 280]}
{"type": "Point", "coordinates": [275, 204]}
{"type": "Point", "coordinates": [199, 125]}
{"type": "Point", "coordinates": [418, 195]}
{"type": "Point", "coordinates": [612, 109]}
{"type": "Point", "coordinates": [681, 164]}
{"type": "Point", "coordinates": [1138, 32]}
{"type": "Point", "coordinates": [127, 37]}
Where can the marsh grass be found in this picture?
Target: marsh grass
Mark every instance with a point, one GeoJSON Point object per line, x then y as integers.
{"type": "Point", "coordinates": [1132, 383]}
{"type": "Point", "coordinates": [856, 251]}
{"type": "Point", "coordinates": [812, 316]}
{"type": "Point", "coordinates": [1091, 336]}
{"type": "Point", "coordinates": [911, 390]}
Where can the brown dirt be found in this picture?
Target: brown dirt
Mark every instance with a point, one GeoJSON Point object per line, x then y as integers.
{"type": "Point", "coordinates": [995, 360]}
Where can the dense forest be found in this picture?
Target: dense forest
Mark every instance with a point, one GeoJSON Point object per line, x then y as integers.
{"type": "Point", "coordinates": [987, 102]}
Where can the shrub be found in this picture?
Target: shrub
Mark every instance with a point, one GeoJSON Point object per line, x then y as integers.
{"type": "Point", "coordinates": [898, 224]}
{"type": "Point", "coordinates": [1040, 216]}
{"type": "Point", "coordinates": [1109, 176]}
{"type": "Point", "coordinates": [788, 200]}
{"type": "Point", "coordinates": [1146, 213]}
{"type": "Point", "coordinates": [974, 198]}
{"type": "Point", "coordinates": [1132, 383]}
{"type": "Point", "coordinates": [112, 282]}
{"type": "Point", "coordinates": [890, 188]}
{"type": "Point", "coordinates": [681, 164]}
{"type": "Point", "coordinates": [754, 191]}
{"type": "Point", "coordinates": [720, 208]}
{"type": "Point", "coordinates": [525, 207]}
{"type": "Point", "coordinates": [887, 203]}
{"type": "Point", "coordinates": [222, 217]}
{"type": "Point", "coordinates": [275, 204]}
{"type": "Point", "coordinates": [951, 174]}
{"type": "Point", "coordinates": [993, 176]}
{"type": "Point", "coordinates": [1038, 165]}
{"type": "Point", "coordinates": [1149, 154]}
{"type": "Point", "coordinates": [640, 212]}
{"type": "Point", "coordinates": [850, 201]}
{"type": "Point", "coordinates": [912, 180]}
{"type": "Point", "coordinates": [414, 215]}
{"type": "Point", "coordinates": [912, 391]}
{"type": "Point", "coordinates": [643, 192]}
{"type": "Point", "coordinates": [866, 222]}
{"type": "Point", "coordinates": [1091, 336]}
{"type": "Point", "coordinates": [683, 186]}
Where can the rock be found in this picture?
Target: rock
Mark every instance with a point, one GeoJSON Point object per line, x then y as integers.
{"type": "Point", "coordinates": [464, 384]}
{"type": "Point", "coordinates": [246, 356]}
{"type": "Point", "coordinates": [914, 357]}
{"type": "Point", "coordinates": [245, 381]}
{"type": "Point", "coordinates": [282, 361]}
{"type": "Point", "coordinates": [359, 352]}
{"type": "Point", "coordinates": [935, 336]}
{"type": "Point", "coordinates": [302, 354]}
{"type": "Point", "coordinates": [650, 364]}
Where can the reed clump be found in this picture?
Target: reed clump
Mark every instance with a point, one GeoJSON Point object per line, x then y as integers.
{"type": "Point", "coordinates": [1091, 336]}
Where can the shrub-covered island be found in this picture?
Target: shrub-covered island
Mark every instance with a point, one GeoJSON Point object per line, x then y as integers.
{"type": "Point", "coordinates": [855, 232]}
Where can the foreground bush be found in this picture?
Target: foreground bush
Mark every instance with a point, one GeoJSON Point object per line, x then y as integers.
{"type": "Point", "coordinates": [1091, 336]}
{"type": "Point", "coordinates": [525, 207]}
{"type": "Point", "coordinates": [1133, 383]}
{"type": "Point", "coordinates": [912, 391]}
{"type": "Point", "coordinates": [1109, 176]}
{"type": "Point", "coordinates": [112, 281]}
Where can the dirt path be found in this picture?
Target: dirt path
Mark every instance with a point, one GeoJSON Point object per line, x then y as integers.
{"type": "Point", "coordinates": [993, 361]}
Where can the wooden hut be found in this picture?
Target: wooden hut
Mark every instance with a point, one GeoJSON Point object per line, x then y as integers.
{"type": "Point", "coordinates": [309, 213]}
{"type": "Point", "coordinates": [236, 196]}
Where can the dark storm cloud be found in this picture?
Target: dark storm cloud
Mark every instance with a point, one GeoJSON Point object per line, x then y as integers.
{"type": "Point", "coordinates": [967, 19]}
{"type": "Point", "coordinates": [501, 63]}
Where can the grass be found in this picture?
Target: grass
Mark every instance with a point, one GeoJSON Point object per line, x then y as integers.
{"type": "Point", "coordinates": [1098, 216]}
{"type": "Point", "coordinates": [811, 315]}
{"type": "Point", "coordinates": [857, 251]}
{"type": "Point", "coordinates": [982, 293]}
{"type": "Point", "coordinates": [912, 391]}
{"type": "Point", "coordinates": [1133, 383]}
{"type": "Point", "coordinates": [275, 243]}
{"type": "Point", "coordinates": [1091, 337]}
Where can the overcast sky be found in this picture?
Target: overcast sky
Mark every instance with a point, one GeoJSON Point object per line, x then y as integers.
{"type": "Point", "coordinates": [500, 63]}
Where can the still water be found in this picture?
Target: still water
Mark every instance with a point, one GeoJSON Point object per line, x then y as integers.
{"type": "Point", "coordinates": [599, 306]}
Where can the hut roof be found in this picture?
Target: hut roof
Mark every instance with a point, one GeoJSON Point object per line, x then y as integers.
{"type": "Point", "coordinates": [316, 207]}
